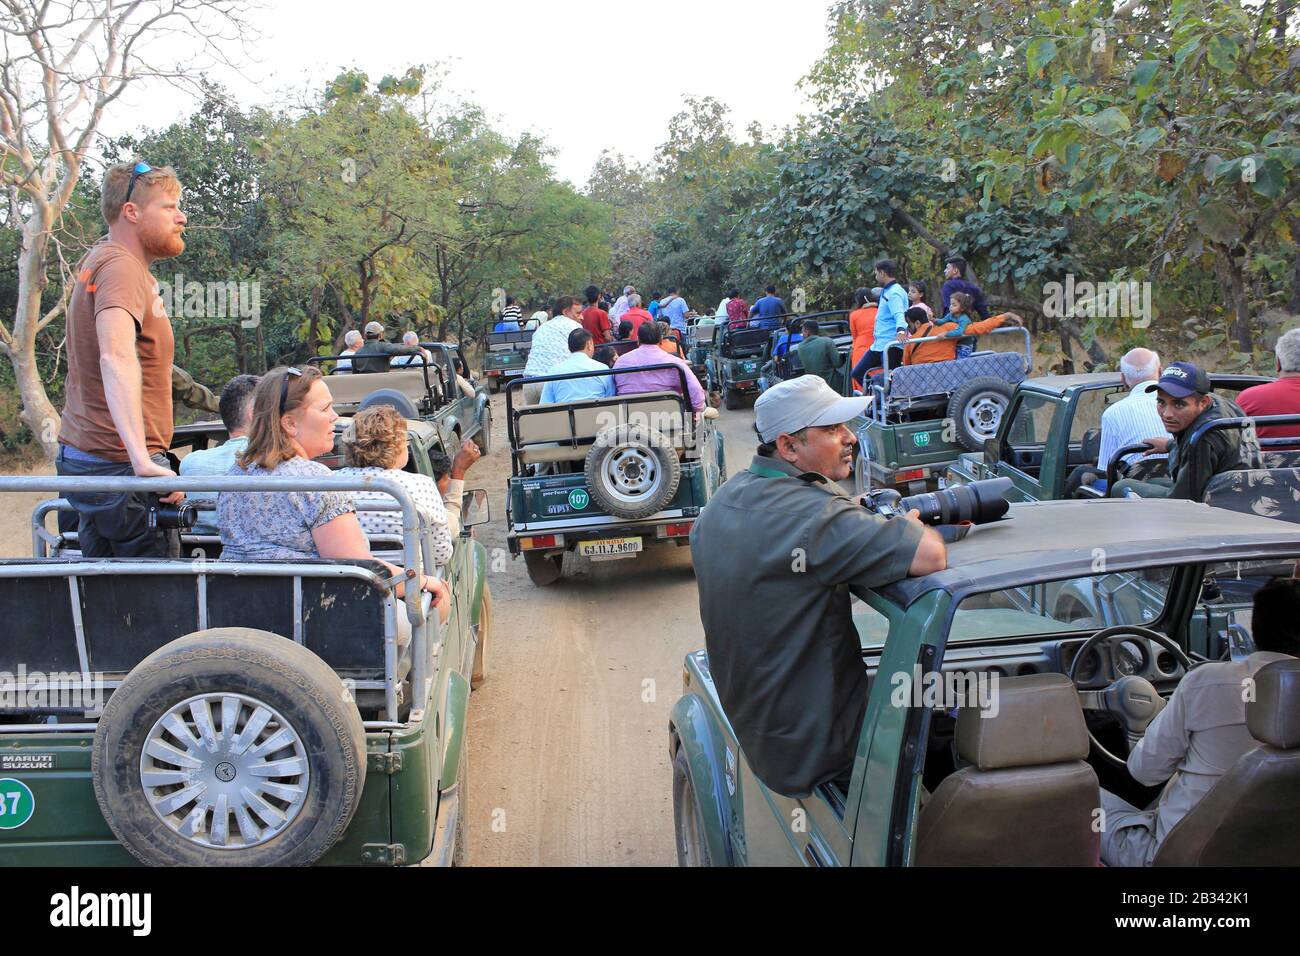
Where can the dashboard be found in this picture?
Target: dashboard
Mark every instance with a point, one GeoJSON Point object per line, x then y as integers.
{"type": "Point", "coordinates": [1105, 662]}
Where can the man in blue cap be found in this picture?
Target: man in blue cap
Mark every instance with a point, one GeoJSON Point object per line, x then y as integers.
{"type": "Point", "coordinates": [1185, 402]}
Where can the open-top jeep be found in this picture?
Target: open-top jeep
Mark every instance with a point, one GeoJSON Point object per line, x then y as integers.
{"type": "Point", "coordinates": [735, 364]}
{"type": "Point", "coordinates": [606, 477]}
{"type": "Point", "coordinates": [701, 340]}
{"type": "Point", "coordinates": [782, 353]}
{"type": "Point", "coordinates": [993, 717]}
{"type": "Point", "coordinates": [1054, 425]}
{"type": "Point", "coordinates": [418, 390]}
{"type": "Point", "coordinates": [209, 712]}
{"type": "Point", "coordinates": [925, 416]}
{"type": "Point", "coordinates": [504, 356]}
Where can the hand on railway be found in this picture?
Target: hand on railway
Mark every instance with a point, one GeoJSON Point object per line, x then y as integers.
{"type": "Point", "coordinates": [151, 469]}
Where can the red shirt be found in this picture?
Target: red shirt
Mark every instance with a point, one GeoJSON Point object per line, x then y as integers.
{"type": "Point", "coordinates": [596, 321]}
{"type": "Point", "coordinates": [637, 316]}
{"type": "Point", "coordinates": [737, 311]}
{"type": "Point", "coordinates": [1275, 398]}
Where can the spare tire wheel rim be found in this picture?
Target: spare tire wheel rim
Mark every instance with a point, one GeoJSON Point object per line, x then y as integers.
{"type": "Point", "coordinates": [225, 771]}
{"type": "Point", "coordinates": [984, 414]}
{"type": "Point", "coordinates": [631, 473]}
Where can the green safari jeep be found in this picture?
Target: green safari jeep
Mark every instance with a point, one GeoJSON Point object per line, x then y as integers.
{"type": "Point", "coordinates": [963, 665]}
{"type": "Point", "coordinates": [1052, 426]}
{"type": "Point", "coordinates": [607, 477]}
{"type": "Point", "coordinates": [924, 417]}
{"type": "Point", "coordinates": [206, 712]}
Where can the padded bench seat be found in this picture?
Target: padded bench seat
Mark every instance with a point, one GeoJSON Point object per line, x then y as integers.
{"type": "Point", "coordinates": [565, 432]}
{"type": "Point", "coordinates": [352, 388]}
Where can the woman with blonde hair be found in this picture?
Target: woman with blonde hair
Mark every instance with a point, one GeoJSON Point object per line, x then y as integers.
{"type": "Point", "coordinates": [375, 443]}
{"type": "Point", "coordinates": [293, 422]}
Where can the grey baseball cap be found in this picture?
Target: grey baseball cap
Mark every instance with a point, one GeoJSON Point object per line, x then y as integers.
{"type": "Point", "coordinates": [374, 328]}
{"type": "Point", "coordinates": [801, 402]}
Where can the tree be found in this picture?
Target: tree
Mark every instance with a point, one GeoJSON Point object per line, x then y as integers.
{"type": "Point", "coordinates": [65, 63]}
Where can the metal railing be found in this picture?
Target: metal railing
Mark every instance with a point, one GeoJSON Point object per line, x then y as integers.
{"type": "Point", "coordinates": [417, 556]}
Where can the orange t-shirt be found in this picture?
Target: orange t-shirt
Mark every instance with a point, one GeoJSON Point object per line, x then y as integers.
{"type": "Point", "coordinates": [110, 277]}
{"type": "Point", "coordinates": [862, 323]}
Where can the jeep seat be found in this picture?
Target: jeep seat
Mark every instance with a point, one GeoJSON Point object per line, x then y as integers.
{"type": "Point", "coordinates": [565, 432]}
{"type": "Point", "coordinates": [1028, 798]}
{"type": "Point", "coordinates": [1270, 492]}
{"type": "Point", "coordinates": [351, 389]}
{"type": "Point", "coordinates": [1248, 817]}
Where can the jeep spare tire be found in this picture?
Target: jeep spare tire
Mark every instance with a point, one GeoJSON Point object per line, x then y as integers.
{"type": "Point", "coordinates": [976, 409]}
{"type": "Point", "coordinates": [229, 747]}
{"type": "Point", "coordinates": [632, 471]}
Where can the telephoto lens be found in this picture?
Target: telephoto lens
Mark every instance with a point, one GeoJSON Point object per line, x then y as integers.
{"type": "Point", "coordinates": [978, 503]}
{"type": "Point", "coordinates": [182, 516]}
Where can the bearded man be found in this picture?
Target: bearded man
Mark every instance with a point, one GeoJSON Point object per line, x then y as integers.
{"type": "Point", "coordinates": [117, 420]}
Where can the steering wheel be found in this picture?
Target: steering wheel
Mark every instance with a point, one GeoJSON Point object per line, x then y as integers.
{"type": "Point", "coordinates": [1117, 469]}
{"type": "Point", "coordinates": [1133, 700]}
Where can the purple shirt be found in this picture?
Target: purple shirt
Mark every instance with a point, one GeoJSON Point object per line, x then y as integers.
{"type": "Point", "coordinates": [659, 380]}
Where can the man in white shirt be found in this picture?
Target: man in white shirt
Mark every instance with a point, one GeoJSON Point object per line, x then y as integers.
{"type": "Point", "coordinates": [551, 344]}
{"type": "Point", "coordinates": [721, 313]}
{"type": "Point", "coordinates": [351, 342]}
{"type": "Point", "coordinates": [1199, 734]}
{"type": "Point", "coordinates": [412, 340]}
{"type": "Point", "coordinates": [1130, 421]}
{"type": "Point", "coordinates": [620, 306]}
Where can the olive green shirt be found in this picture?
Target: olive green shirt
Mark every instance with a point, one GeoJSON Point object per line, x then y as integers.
{"type": "Point", "coordinates": [776, 556]}
{"type": "Point", "coordinates": [820, 357]}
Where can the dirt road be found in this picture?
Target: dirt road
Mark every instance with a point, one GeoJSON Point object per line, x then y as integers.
{"type": "Point", "coordinates": [568, 737]}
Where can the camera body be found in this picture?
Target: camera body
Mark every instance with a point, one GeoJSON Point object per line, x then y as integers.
{"type": "Point", "coordinates": [180, 516]}
{"type": "Point", "coordinates": [980, 502]}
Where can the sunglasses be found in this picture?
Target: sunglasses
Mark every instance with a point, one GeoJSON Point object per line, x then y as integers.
{"type": "Point", "coordinates": [140, 170]}
{"type": "Point", "coordinates": [284, 389]}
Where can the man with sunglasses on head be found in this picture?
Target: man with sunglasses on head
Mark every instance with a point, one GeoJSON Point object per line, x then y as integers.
{"type": "Point", "coordinates": [117, 419]}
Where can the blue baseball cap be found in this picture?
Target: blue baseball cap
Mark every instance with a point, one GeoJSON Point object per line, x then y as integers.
{"type": "Point", "coordinates": [1181, 379]}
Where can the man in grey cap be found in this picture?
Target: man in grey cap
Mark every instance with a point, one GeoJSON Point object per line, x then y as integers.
{"type": "Point", "coordinates": [376, 354]}
{"type": "Point", "coordinates": [777, 552]}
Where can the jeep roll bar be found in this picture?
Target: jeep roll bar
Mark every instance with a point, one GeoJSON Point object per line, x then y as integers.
{"type": "Point", "coordinates": [421, 364]}
{"type": "Point", "coordinates": [683, 398]}
{"type": "Point", "coordinates": [416, 548]}
{"type": "Point", "coordinates": [878, 408]}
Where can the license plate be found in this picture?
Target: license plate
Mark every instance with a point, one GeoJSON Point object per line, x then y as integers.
{"type": "Point", "coordinates": [610, 549]}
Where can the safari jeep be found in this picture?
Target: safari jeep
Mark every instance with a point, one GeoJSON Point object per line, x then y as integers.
{"type": "Point", "coordinates": [504, 356]}
{"type": "Point", "coordinates": [1054, 425]}
{"type": "Point", "coordinates": [1046, 710]}
{"type": "Point", "coordinates": [925, 416]}
{"type": "Point", "coordinates": [735, 364]}
{"type": "Point", "coordinates": [788, 363]}
{"type": "Point", "coordinates": [418, 391]}
{"type": "Point", "coordinates": [206, 712]}
{"type": "Point", "coordinates": [606, 478]}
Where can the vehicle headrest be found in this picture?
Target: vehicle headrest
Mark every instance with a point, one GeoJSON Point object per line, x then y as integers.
{"type": "Point", "coordinates": [1273, 717]}
{"type": "Point", "coordinates": [390, 396]}
{"type": "Point", "coordinates": [1030, 721]}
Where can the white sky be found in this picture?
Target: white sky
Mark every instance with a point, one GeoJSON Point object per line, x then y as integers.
{"type": "Point", "coordinates": [506, 55]}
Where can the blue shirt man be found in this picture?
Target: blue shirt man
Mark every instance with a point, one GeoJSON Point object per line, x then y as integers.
{"type": "Point", "coordinates": [581, 348]}
{"type": "Point", "coordinates": [766, 309]}
{"type": "Point", "coordinates": [890, 317]}
{"type": "Point", "coordinates": [236, 406]}
{"type": "Point", "coordinates": [675, 308]}
{"type": "Point", "coordinates": [953, 270]}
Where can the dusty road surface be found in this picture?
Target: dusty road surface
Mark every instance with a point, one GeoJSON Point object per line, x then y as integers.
{"type": "Point", "coordinates": [568, 736]}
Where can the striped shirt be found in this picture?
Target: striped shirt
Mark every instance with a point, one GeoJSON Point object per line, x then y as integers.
{"type": "Point", "coordinates": [1130, 421]}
